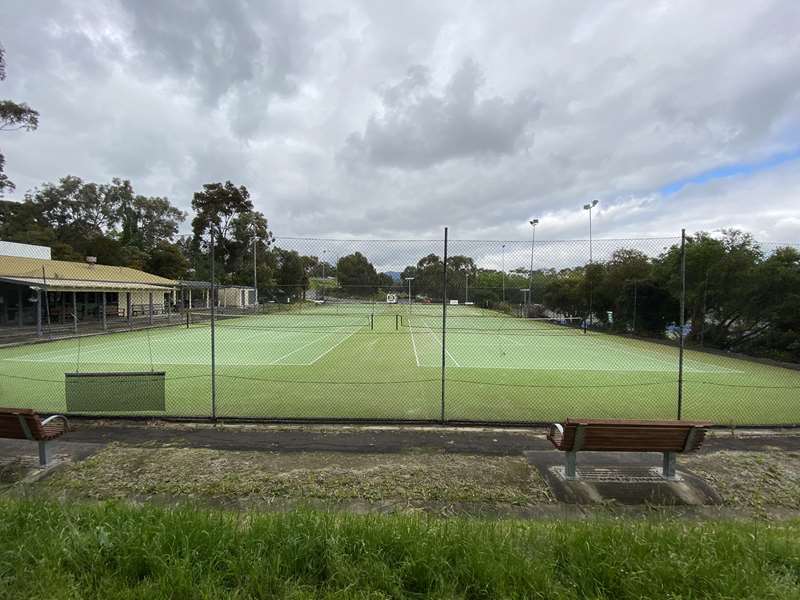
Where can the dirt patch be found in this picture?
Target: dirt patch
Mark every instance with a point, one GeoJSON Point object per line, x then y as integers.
{"type": "Point", "coordinates": [295, 438]}
{"type": "Point", "coordinates": [751, 479]}
{"type": "Point", "coordinates": [415, 478]}
{"type": "Point", "coordinates": [15, 468]}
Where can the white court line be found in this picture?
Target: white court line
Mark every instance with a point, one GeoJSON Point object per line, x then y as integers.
{"type": "Point", "coordinates": [277, 360]}
{"type": "Point", "coordinates": [60, 357]}
{"type": "Point", "coordinates": [414, 344]}
{"type": "Point", "coordinates": [440, 343]}
{"type": "Point", "coordinates": [337, 344]}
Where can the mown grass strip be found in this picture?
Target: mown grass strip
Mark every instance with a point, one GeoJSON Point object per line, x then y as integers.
{"type": "Point", "coordinates": [115, 551]}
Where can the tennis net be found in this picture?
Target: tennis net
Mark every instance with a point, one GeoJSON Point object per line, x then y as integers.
{"type": "Point", "coordinates": [281, 320]}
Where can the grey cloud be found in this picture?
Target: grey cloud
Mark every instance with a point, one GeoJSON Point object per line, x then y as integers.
{"type": "Point", "coordinates": [219, 46]}
{"type": "Point", "coordinates": [366, 119]}
{"type": "Point", "coordinates": [419, 128]}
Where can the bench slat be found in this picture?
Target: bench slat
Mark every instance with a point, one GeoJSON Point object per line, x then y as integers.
{"type": "Point", "coordinates": [630, 436]}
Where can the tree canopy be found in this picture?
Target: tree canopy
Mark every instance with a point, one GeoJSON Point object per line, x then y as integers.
{"type": "Point", "coordinates": [14, 116]}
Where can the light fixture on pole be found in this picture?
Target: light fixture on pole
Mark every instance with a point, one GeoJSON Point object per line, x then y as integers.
{"type": "Point", "coordinates": [410, 298]}
{"type": "Point", "coordinates": [255, 267]}
{"type": "Point", "coordinates": [589, 207]}
{"type": "Point", "coordinates": [504, 273]}
{"type": "Point", "coordinates": [534, 223]}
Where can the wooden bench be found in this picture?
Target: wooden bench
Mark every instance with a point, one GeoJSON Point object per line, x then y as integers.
{"type": "Point", "coordinates": [608, 435]}
{"type": "Point", "coordinates": [26, 424]}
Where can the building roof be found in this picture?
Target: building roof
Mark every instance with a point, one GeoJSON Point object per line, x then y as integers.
{"type": "Point", "coordinates": [206, 285]}
{"type": "Point", "coordinates": [65, 275]}
{"type": "Point", "coordinates": [25, 250]}
{"type": "Point", "coordinates": [195, 285]}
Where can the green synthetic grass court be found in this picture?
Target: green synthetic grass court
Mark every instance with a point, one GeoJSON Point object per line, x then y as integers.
{"type": "Point", "coordinates": [360, 361]}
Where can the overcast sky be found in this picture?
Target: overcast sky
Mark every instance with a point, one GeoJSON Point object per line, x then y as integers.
{"type": "Point", "coordinates": [392, 119]}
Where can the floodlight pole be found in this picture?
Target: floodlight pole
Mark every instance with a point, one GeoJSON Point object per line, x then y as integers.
{"type": "Point", "coordinates": [410, 299]}
{"type": "Point", "coordinates": [255, 267]}
{"type": "Point", "coordinates": [504, 273]}
{"type": "Point", "coordinates": [534, 223]}
{"type": "Point", "coordinates": [589, 207]}
{"type": "Point", "coordinates": [466, 288]}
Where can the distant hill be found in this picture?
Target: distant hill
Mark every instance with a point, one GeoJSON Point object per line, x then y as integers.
{"type": "Point", "coordinates": [396, 275]}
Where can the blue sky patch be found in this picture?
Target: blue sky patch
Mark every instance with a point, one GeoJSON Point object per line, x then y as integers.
{"type": "Point", "coordinates": [731, 170]}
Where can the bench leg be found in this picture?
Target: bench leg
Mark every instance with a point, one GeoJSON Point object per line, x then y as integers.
{"type": "Point", "coordinates": [44, 454]}
{"type": "Point", "coordinates": [570, 470]}
{"type": "Point", "coordinates": [668, 466]}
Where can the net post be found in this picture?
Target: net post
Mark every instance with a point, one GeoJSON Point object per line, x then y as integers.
{"type": "Point", "coordinates": [444, 323]}
{"type": "Point", "coordinates": [397, 322]}
{"type": "Point", "coordinates": [681, 323]}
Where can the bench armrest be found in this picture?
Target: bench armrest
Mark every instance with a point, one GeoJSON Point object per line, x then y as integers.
{"type": "Point", "coordinates": [556, 434]}
{"type": "Point", "coordinates": [54, 417]}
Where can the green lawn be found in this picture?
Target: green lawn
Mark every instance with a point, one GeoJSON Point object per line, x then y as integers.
{"type": "Point", "coordinates": [354, 361]}
{"type": "Point", "coordinates": [112, 551]}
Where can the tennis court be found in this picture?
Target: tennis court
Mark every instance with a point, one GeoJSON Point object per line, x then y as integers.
{"type": "Point", "coordinates": [381, 361]}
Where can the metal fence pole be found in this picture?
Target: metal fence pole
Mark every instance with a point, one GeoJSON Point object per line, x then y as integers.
{"type": "Point", "coordinates": [444, 320]}
{"type": "Point", "coordinates": [103, 318]}
{"type": "Point", "coordinates": [213, 335]}
{"type": "Point", "coordinates": [39, 312]}
{"type": "Point", "coordinates": [681, 323]}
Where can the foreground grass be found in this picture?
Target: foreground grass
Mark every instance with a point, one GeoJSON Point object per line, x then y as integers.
{"type": "Point", "coordinates": [115, 551]}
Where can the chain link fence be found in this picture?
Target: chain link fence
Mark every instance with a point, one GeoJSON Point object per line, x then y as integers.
{"type": "Point", "coordinates": [442, 330]}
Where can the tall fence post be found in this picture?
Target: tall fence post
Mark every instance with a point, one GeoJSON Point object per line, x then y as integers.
{"type": "Point", "coordinates": [681, 332]}
{"type": "Point", "coordinates": [213, 335]}
{"type": "Point", "coordinates": [444, 321]}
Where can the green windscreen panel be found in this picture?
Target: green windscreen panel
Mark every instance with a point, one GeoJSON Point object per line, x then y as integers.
{"type": "Point", "coordinates": [126, 391]}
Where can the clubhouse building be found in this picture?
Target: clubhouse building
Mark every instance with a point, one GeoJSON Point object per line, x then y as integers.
{"type": "Point", "coordinates": [40, 296]}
